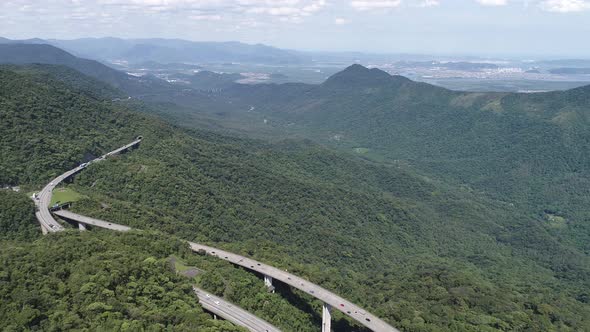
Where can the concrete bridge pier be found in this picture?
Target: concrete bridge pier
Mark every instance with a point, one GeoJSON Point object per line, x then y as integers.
{"type": "Point", "coordinates": [268, 283]}
{"type": "Point", "coordinates": [326, 318]}
{"type": "Point", "coordinates": [81, 226]}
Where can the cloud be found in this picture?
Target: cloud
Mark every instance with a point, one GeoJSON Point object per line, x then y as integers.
{"type": "Point", "coordinates": [206, 17]}
{"type": "Point", "coordinates": [493, 2]}
{"type": "Point", "coordinates": [341, 21]}
{"type": "Point", "coordinates": [429, 3]}
{"type": "Point", "coordinates": [565, 6]}
{"type": "Point", "coordinates": [364, 5]}
{"type": "Point", "coordinates": [284, 10]}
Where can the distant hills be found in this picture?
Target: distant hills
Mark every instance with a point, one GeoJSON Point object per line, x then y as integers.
{"type": "Point", "coordinates": [440, 210]}
{"type": "Point", "coordinates": [29, 53]}
{"type": "Point", "coordinates": [529, 149]}
{"type": "Point", "coordinates": [177, 50]}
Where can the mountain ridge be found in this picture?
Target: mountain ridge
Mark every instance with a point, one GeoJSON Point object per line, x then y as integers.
{"type": "Point", "coordinates": [18, 53]}
{"type": "Point", "coordinates": [425, 255]}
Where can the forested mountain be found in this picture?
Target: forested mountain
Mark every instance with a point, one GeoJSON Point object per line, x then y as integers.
{"type": "Point", "coordinates": [423, 255]}
{"type": "Point", "coordinates": [530, 150]}
{"type": "Point", "coordinates": [21, 53]}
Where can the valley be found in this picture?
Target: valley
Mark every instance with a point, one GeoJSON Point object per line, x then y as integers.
{"type": "Point", "coordinates": [437, 210]}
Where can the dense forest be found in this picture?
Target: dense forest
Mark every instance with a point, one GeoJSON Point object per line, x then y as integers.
{"type": "Point", "coordinates": [416, 251]}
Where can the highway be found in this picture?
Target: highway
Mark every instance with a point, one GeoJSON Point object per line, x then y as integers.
{"type": "Point", "coordinates": [213, 304]}
{"type": "Point", "coordinates": [232, 313]}
{"type": "Point", "coordinates": [91, 221]}
{"type": "Point", "coordinates": [48, 223]}
{"type": "Point", "coordinates": [348, 308]}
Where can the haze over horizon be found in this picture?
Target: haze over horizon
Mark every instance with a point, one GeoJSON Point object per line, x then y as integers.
{"type": "Point", "coordinates": [464, 27]}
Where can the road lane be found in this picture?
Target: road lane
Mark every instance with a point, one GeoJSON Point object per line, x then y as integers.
{"type": "Point", "coordinates": [44, 196]}
{"type": "Point", "coordinates": [91, 221]}
{"type": "Point", "coordinates": [348, 308]}
{"type": "Point", "coordinates": [233, 313]}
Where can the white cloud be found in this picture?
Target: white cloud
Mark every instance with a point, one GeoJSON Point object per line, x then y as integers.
{"type": "Point", "coordinates": [341, 21]}
{"type": "Point", "coordinates": [493, 2]}
{"type": "Point", "coordinates": [364, 5]}
{"type": "Point", "coordinates": [285, 9]}
{"type": "Point", "coordinates": [429, 3]}
{"type": "Point", "coordinates": [206, 17]}
{"type": "Point", "coordinates": [565, 6]}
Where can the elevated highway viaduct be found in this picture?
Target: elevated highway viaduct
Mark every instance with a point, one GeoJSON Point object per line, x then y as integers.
{"type": "Point", "coordinates": [330, 300]}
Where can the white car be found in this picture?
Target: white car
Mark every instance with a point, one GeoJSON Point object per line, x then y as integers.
{"type": "Point", "coordinates": [216, 302]}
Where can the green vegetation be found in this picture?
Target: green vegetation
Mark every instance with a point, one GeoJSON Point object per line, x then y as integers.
{"type": "Point", "coordinates": [424, 254]}
{"type": "Point", "coordinates": [64, 195]}
{"type": "Point", "coordinates": [101, 281]}
{"type": "Point", "coordinates": [17, 217]}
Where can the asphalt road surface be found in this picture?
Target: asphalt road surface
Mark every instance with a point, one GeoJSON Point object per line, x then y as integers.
{"type": "Point", "coordinates": [232, 313]}
{"type": "Point", "coordinates": [48, 223]}
{"type": "Point", "coordinates": [91, 221]}
{"type": "Point", "coordinates": [348, 308]}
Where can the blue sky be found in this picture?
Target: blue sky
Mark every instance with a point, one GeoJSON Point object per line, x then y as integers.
{"type": "Point", "coordinates": [482, 27]}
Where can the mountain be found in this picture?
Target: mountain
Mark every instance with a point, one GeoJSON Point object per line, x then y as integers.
{"type": "Point", "coordinates": [530, 150]}
{"type": "Point", "coordinates": [22, 41]}
{"type": "Point", "coordinates": [357, 76]}
{"type": "Point", "coordinates": [570, 71]}
{"type": "Point", "coordinates": [18, 53]}
{"type": "Point", "coordinates": [177, 50]}
{"type": "Point", "coordinates": [421, 253]}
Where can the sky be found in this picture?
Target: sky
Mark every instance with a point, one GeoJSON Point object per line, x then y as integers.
{"type": "Point", "coordinates": [467, 27]}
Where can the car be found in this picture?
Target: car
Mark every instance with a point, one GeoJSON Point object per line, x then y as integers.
{"type": "Point", "coordinates": [342, 304]}
{"type": "Point", "coordinates": [216, 302]}
{"type": "Point", "coordinates": [367, 319]}
{"type": "Point", "coordinates": [207, 295]}
{"type": "Point", "coordinates": [311, 291]}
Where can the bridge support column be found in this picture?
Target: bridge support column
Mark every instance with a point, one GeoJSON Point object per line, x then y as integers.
{"type": "Point", "coordinates": [44, 230]}
{"type": "Point", "coordinates": [268, 283]}
{"type": "Point", "coordinates": [326, 318]}
{"type": "Point", "coordinates": [81, 226]}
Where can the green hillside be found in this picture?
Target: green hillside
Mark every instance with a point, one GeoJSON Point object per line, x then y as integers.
{"type": "Point", "coordinates": [24, 54]}
{"type": "Point", "coordinates": [417, 252]}
{"type": "Point", "coordinates": [529, 150]}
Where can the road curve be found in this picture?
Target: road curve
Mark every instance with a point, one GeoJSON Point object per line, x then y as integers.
{"type": "Point", "coordinates": [233, 313]}
{"type": "Point", "coordinates": [48, 223]}
{"type": "Point", "coordinates": [348, 308]}
{"type": "Point", "coordinates": [210, 302]}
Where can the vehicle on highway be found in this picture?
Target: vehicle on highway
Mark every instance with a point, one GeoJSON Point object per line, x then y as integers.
{"type": "Point", "coordinates": [216, 302]}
